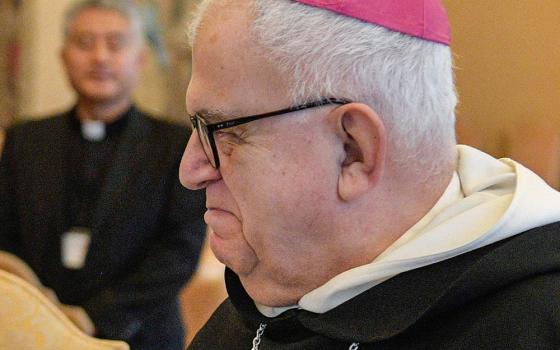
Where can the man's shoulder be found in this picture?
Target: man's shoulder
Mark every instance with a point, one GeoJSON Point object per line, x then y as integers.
{"type": "Point", "coordinates": [516, 261]}
{"type": "Point", "coordinates": [38, 122]}
{"type": "Point", "coordinates": [36, 128]}
{"type": "Point", "coordinates": [529, 265]}
{"type": "Point", "coordinates": [535, 248]}
{"type": "Point", "coordinates": [524, 314]}
{"type": "Point", "coordinates": [509, 295]}
{"type": "Point", "coordinates": [524, 268]}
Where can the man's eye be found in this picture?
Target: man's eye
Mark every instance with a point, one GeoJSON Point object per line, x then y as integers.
{"type": "Point", "coordinates": [226, 142]}
{"type": "Point", "coordinates": [229, 138]}
{"type": "Point", "coordinates": [226, 135]}
{"type": "Point", "coordinates": [116, 43]}
{"type": "Point", "coordinates": [83, 42]}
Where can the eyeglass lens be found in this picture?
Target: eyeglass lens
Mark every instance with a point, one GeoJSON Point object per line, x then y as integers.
{"type": "Point", "coordinates": [203, 135]}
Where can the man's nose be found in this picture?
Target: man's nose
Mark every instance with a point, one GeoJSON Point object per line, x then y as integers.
{"type": "Point", "coordinates": [100, 51]}
{"type": "Point", "coordinates": [195, 171]}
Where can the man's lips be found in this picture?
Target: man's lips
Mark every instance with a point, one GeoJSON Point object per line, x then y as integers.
{"type": "Point", "coordinates": [216, 213]}
{"type": "Point", "coordinates": [223, 222]}
{"type": "Point", "coordinates": [218, 207]}
{"type": "Point", "coordinates": [100, 75]}
{"type": "Point", "coordinates": [210, 208]}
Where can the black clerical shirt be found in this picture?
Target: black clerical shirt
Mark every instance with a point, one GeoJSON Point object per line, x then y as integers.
{"type": "Point", "coordinates": [88, 163]}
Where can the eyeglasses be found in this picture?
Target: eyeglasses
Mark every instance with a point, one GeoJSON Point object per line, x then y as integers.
{"type": "Point", "coordinates": [206, 131]}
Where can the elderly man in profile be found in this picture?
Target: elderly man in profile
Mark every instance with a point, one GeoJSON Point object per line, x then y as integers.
{"type": "Point", "coordinates": [345, 212]}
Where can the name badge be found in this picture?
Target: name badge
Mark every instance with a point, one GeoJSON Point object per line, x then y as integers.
{"type": "Point", "coordinates": [74, 246]}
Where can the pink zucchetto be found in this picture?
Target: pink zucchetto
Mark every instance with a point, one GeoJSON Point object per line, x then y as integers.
{"type": "Point", "coordinates": [425, 19]}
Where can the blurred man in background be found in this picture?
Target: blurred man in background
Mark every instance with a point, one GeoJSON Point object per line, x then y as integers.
{"type": "Point", "coordinates": [91, 198]}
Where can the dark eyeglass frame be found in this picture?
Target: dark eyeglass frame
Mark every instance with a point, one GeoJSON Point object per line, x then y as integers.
{"type": "Point", "coordinates": [207, 131]}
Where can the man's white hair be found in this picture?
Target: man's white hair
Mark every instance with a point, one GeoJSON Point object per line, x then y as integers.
{"type": "Point", "coordinates": [406, 80]}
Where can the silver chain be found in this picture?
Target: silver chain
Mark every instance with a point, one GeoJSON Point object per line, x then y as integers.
{"type": "Point", "coordinates": [257, 339]}
{"type": "Point", "coordinates": [260, 331]}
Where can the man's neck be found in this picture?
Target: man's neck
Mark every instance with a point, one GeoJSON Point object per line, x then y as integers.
{"type": "Point", "coordinates": [105, 112]}
{"type": "Point", "coordinates": [402, 200]}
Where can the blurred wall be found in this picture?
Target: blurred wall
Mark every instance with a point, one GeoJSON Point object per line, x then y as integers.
{"type": "Point", "coordinates": [507, 58]}
{"type": "Point", "coordinates": [42, 87]}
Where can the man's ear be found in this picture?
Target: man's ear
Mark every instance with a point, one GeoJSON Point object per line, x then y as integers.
{"type": "Point", "coordinates": [364, 139]}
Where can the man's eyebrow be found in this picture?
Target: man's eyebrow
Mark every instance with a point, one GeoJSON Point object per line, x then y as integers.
{"type": "Point", "coordinates": [213, 116]}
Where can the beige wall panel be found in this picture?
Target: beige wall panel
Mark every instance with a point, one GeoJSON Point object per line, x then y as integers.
{"type": "Point", "coordinates": [43, 87]}
{"type": "Point", "coordinates": [507, 55]}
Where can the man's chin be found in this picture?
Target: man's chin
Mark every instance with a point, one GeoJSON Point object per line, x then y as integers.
{"type": "Point", "coordinates": [268, 293]}
{"type": "Point", "coordinates": [100, 93]}
{"type": "Point", "coordinates": [236, 255]}
{"type": "Point", "coordinates": [102, 98]}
